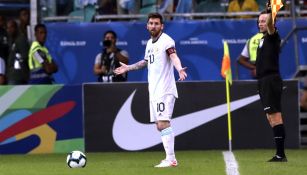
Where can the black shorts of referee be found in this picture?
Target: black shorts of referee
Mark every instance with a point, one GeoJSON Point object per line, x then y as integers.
{"type": "Point", "coordinates": [270, 90]}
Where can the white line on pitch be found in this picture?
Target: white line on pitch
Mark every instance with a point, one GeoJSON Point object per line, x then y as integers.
{"type": "Point", "coordinates": [231, 163]}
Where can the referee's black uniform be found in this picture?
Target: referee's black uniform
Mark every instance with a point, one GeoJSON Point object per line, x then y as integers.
{"type": "Point", "coordinates": [267, 69]}
{"type": "Point", "coordinates": [270, 86]}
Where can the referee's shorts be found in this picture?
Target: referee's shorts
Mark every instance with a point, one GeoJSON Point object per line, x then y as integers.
{"type": "Point", "coordinates": [270, 91]}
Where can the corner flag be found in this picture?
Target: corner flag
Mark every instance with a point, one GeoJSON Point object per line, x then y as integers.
{"type": "Point", "coordinates": [226, 65]}
{"type": "Point", "coordinates": [226, 73]}
{"type": "Point", "coordinates": [276, 5]}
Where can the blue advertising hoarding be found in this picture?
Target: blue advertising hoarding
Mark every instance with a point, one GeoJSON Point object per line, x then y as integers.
{"type": "Point", "coordinates": [74, 46]}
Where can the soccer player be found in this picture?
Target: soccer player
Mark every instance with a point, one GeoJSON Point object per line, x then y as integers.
{"type": "Point", "coordinates": [160, 57]}
{"type": "Point", "coordinates": [270, 82]}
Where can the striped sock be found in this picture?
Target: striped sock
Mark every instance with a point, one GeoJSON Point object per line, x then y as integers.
{"type": "Point", "coordinates": [168, 140]}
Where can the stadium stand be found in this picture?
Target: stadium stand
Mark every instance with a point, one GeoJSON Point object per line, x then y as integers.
{"type": "Point", "coordinates": [210, 6]}
{"type": "Point", "coordinates": [148, 6]}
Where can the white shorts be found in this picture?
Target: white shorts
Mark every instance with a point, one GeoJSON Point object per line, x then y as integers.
{"type": "Point", "coordinates": [162, 109]}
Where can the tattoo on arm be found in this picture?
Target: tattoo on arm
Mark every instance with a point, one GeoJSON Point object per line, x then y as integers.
{"type": "Point", "coordinates": [136, 66]}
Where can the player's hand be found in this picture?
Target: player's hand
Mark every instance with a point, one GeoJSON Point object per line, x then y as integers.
{"type": "Point", "coordinates": [122, 69]}
{"type": "Point", "coordinates": [182, 74]}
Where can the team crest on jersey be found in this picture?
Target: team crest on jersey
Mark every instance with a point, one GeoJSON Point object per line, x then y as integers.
{"type": "Point", "coordinates": [156, 50]}
{"type": "Point", "coordinates": [261, 43]}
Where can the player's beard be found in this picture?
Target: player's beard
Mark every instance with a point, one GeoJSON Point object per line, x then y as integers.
{"type": "Point", "coordinates": [155, 33]}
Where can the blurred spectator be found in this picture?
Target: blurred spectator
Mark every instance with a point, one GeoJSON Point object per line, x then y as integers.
{"type": "Point", "coordinates": [165, 6]}
{"type": "Point", "coordinates": [2, 22]}
{"type": "Point", "coordinates": [299, 6]}
{"type": "Point", "coordinates": [107, 7]}
{"type": "Point", "coordinates": [47, 8]}
{"type": "Point", "coordinates": [243, 6]}
{"type": "Point", "coordinates": [2, 71]}
{"type": "Point", "coordinates": [161, 6]}
{"type": "Point", "coordinates": [41, 64]}
{"type": "Point", "coordinates": [148, 6]}
{"type": "Point", "coordinates": [24, 21]}
{"type": "Point", "coordinates": [248, 55]}
{"type": "Point", "coordinates": [210, 6]}
{"type": "Point", "coordinates": [184, 6]}
{"type": "Point", "coordinates": [108, 60]}
{"type": "Point", "coordinates": [17, 71]}
{"type": "Point", "coordinates": [82, 3]}
{"type": "Point", "coordinates": [64, 7]}
{"type": "Point", "coordinates": [262, 4]}
{"type": "Point", "coordinates": [128, 6]}
{"type": "Point", "coordinates": [3, 39]}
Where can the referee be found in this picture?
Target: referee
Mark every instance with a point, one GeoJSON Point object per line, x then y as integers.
{"type": "Point", "coordinates": [269, 80]}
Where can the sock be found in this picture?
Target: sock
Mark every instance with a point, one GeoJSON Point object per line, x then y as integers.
{"type": "Point", "coordinates": [279, 137]}
{"type": "Point", "coordinates": [168, 140]}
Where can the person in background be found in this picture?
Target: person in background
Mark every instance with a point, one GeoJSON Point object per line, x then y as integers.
{"type": "Point", "coordinates": [249, 53]}
{"type": "Point", "coordinates": [24, 21]}
{"type": "Point", "coordinates": [2, 71]}
{"type": "Point", "coordinates": [128, 6]}
{"type": "Point", "coordinates": [165, 6]}
{"type": "Point", "coordinates": [108, 60]}
{"type": "Point", "coordinates": [4, 47]}
{"type": "Point", "coordinates": [17, 70]}
{"type": "Point", "coordinates": [41, 64]}
{"type": "Point", "coordinates": [184, 6]}
{"type": "Point", "coordinates": [243, 6]}
{"type": "Point", "coordinates": [107, 7]}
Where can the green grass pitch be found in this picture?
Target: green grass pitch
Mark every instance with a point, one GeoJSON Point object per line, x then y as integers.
{"type": "Point", "coordinates": [211, 162]}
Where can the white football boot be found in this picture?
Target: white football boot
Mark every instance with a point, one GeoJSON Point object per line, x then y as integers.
{"type": "Point", "coordinates": [167, 163]}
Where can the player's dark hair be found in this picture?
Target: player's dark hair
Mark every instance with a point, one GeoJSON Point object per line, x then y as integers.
{"type": "Point", "coordinates": [263, 12]}
{"type": "Point", "coordinates": [155, 15]}
{"type": "Point", "coordinates": [38, 26]}
{"type": "Point", "coordinates": [23, 9]}
{"type": "Point", "coordinates": [110, 31]}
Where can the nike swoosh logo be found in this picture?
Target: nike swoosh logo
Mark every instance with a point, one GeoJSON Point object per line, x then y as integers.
{"type": "Point", "coordinates": [132, 135]}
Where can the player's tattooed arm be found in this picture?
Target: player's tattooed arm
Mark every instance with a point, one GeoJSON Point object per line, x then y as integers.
{"type": "Point", "coordinates": [125, 68]}
{"type": "Point", "coordinates": [138, 65]}
{"type": "Point", "coordinates": [177, 64]}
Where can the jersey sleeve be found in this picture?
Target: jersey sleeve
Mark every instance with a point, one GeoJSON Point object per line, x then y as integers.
{"type": "Point", "coordinates": [245, 52]}
{"type": "Point", "coordinates": [169, 43]}
{"type": "Point", "coordinates": [98, 59]}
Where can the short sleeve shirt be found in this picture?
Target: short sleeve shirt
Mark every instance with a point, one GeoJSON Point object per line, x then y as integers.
{"type": "Point", "coordinates": [161, 80]}
{"type": "Point", "coordinates": [245, 52]}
